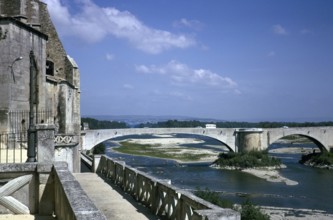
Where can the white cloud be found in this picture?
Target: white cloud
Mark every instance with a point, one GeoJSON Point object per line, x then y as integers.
{"type": "Point", "coordinates": [59, 13]}
{"type": "Point", "coordinates": [128, 86]}
{"type": "Point", "coordinates": [278, 29]}
{"type": "Point", "coordinates": [109, 56]}
{"type": "Point", "coordinates": [181, 74]}
{"type": "Point", "coordinates": [93, 23]}
{"type": "Point", "coordinates": [192, 24]}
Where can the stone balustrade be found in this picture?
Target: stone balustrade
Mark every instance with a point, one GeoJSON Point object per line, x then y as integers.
{"type": "Point", "coordinates": [162, 198]}
{"type": "Point", "coordinates": [44, 190]}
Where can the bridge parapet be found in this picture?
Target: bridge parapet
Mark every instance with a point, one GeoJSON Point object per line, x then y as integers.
{"type": "Point", "coordinates": [161, 197]}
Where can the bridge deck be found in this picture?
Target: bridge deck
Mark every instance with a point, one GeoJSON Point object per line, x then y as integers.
{"type": "Point", "coordinates": [111, 200]}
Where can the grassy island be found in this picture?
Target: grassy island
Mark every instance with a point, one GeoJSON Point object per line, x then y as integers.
{"type": "Point", "coordinates": [173, 152]}
{"type": "Point", "coordinates": [245, 160]}
{"type": "Point", "coordinates": [320, 160]}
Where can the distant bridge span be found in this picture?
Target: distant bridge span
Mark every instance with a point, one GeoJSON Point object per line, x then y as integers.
{"type": "Point", "coordinates": [236, 139]}
{"type": "Point", "coordinates": [91, 138]}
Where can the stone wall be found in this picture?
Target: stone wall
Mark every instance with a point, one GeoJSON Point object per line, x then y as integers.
{"type": "Point", "coordinates": [27, 26]}
{"type": "Point", "coordinates": [15, 67]}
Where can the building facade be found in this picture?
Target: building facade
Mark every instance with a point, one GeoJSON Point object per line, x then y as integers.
{"type": "Point", "coordinates": [37, 74]}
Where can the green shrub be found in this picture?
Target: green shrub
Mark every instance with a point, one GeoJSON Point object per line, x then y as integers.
{"type": "Point", "coordinates": [321, 159]}
{"type": "Point", "coordinates": [251, 212]}
{"type": "Point", "coordinates": [248, 211]}
{"type": "Point", "coordinates": [213, 197]}
{"type": "Point", "coordinates": [99, 149]}
{"type": "Point", "coordinates": [247, 160]}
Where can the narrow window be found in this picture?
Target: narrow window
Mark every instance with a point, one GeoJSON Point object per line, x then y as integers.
{"type": "Point", "coordinates": [49, 68]}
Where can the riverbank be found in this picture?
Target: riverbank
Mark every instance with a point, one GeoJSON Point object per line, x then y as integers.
{"type": "Point", "coordinates": [271, 175]}
{"type": "Point", "coordinates": [282, 213]}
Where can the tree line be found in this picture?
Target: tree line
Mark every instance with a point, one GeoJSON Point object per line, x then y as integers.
{"type": "Point", "coordinates": [97, 124]}
{"type": "Point", "coordinates": [232, 124]}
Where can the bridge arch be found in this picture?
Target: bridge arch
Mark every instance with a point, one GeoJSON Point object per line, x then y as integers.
{"type": "Point", "coordinates": [91, 138]}
{"type": "Point", "coordinates": [311, 136]}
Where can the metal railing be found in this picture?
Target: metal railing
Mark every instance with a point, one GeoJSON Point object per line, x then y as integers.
{"type": "Point", "coordinates": [14, 143]}
{"type": "Point", "coordinates": [19, 120]}
{"type": "Point", "coordinates": [13, 147]}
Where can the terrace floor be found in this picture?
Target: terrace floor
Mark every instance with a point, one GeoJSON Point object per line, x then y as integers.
{"type": "Point", "coordinates": [111, 200]}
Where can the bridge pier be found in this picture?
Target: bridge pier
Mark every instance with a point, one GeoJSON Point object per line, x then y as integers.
{"type": "Point", "coordinates": [248, 140]}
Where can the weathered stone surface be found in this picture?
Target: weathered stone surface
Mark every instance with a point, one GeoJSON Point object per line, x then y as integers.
{"type": "Point", "coordinates": [90, 215]}
{"type": "Point", "coordinates": [60, 165]}
{"type": "Point", "coordinates": [26, 27]}
{"type": "Point", "coordinates": [44, 167]}
{"type": "Point", "coordinates": [45, 189]}
{"type": "Point", "coordinates": [18, 167]}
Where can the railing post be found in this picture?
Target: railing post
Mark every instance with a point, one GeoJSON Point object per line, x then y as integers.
{"type": "Point", "coordinates": [45, 142]}
{"type": "Point", "coordinates": [96, 160]}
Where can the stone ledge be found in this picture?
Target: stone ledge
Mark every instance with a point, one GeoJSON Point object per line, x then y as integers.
{"type": "Point", "coordinates": [91, 215]}
{"type": "Point", "coordinates": [77, 198]}
{"type": "Point", "coordinates": [18, 167]}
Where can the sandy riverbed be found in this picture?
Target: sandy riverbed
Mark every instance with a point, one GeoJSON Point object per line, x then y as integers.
{"type": "Point", "coordinates": [271, 175]}
{"type": "Point", "coordinates": [173, 146]}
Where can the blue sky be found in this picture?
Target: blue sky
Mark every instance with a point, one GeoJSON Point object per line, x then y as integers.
{"type": "Point", "coordinates": [232, 60]}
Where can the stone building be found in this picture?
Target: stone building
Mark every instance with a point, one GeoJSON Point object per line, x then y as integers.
{"type": "Point", "coordinates": [36, 73]}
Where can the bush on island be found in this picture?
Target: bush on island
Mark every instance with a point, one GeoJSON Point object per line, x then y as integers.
{"type": "Point", "coordinates": [245, 160]}
{"type": "Point", "coordinates": [318, 159]}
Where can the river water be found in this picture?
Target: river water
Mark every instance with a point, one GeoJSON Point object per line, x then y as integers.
{"type": "Point", "coordinates": [314, 191]}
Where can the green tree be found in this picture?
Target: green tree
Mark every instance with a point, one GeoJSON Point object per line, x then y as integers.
{"type": "Point", "coordinates": [248, 210]}
{"type": "Point", "coordinates": [251, 212]}
{"type": "Point", "coordinates": [99, 149]}
{"type": "Point", "coordinates": [96, 124]}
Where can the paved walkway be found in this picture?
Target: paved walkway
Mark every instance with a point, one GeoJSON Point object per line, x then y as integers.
{"type": "Point", "coordinates": [111, 200]}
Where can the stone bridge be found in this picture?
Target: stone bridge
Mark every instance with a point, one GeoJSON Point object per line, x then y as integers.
{"type": "Point", "coordinates": [236, 139]}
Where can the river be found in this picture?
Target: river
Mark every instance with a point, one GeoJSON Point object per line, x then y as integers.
{"type": "Point", "coordinates": [314, 191]}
